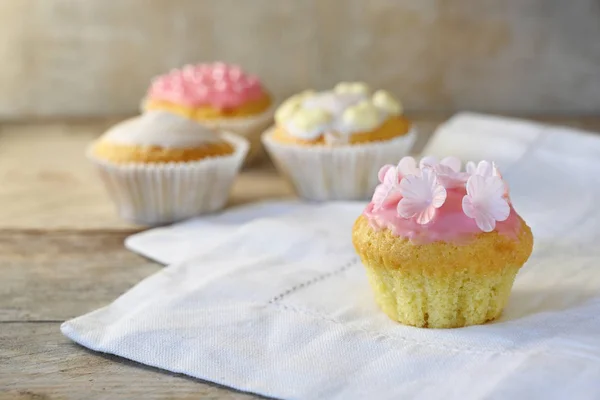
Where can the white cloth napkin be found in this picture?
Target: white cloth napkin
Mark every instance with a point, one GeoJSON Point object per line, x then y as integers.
{"type": "Point", "coordinates": [271, 298]}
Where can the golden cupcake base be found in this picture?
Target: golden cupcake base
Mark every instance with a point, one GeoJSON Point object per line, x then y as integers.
{"type": "Point", "coordinates": [392, 128]}
{"type": "Point", "coordinates": [441, 285]}
{"type": "Point", "coordinates": [204, 113]}
{"type": "Point", "coordinates": [250, 120]}
{"type": "Point", "coordinates": [123, 154]}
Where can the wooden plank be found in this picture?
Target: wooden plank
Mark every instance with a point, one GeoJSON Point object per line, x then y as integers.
{"type": "Point", "coordinates": [60, 275]}
{"type": "Point", "coordinates": [47, 183]}
{"type": "Point", "coordinates": [38, 363]}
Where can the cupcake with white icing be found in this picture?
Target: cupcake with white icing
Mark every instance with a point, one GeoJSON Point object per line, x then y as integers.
{"type": "Point", "coordinates": [160, 168]}
{"type": "Point", "coordinates": [329, 144]}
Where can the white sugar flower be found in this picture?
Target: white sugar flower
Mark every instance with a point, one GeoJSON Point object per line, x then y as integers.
{"type": "Point", "coordinates": [382, 171]}
{"type": "Point", "coordinates": [486, 169]}
{"type": "Point", "coordinates": [448, 166]}
{"type": "Point", "coordinates": [388, 190]}
{"type": "Point", "coordinates": [485, 201]}
{"type": "Point", "coordinates": [408, 166]}
{"type": "Point", "coordinates": [447, 171]}
{"type": "Point", "coordinates": [470, 167]}
{"type": "Point", "coordinates": [453, 163]}
{"type": "Point", "coordinates": [421, 196]}
{"type": "Point", "coordinates": [449, 174]}
{"type": "Point", "coordinates": [428, 161]}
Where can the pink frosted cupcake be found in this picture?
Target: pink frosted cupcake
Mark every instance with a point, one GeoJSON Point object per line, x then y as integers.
{"type": "Point", "coordinates": [217, 95]}
{"type": "Point", "coordinates": [441, 246]}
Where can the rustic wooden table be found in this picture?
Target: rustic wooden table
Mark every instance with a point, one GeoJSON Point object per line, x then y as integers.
{"type": "Point", "coordinates": [62, 255]}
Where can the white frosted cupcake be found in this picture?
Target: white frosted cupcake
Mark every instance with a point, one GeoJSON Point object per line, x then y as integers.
{"type": "Point", "coordinates": [330, 144]}
{"type": "Point", "coordinates": [160, 168]}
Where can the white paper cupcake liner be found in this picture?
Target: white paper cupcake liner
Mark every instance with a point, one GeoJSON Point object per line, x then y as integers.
{"type": "Point", "coordinates": [336, 173]}
{"type": "Point", "coordinates": [162, 193]}
{"type": "Point", "coordinates": [250, 127]}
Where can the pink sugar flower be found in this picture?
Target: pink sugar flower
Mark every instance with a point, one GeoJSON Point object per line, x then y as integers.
{"type": "Point", "coordinates": [382, 171]}
{"type": "Point", "coordinates": [408, 166]}
{"type": "Point", "coordinates": [485, 201]}
{"type": "Point", "coordinates": [388, 191]}
{"type": "Point", "coordinates": [483, 168]}
{"type": "Point", "coordinates": [421, 196]}
{"type": "Point", "coordinates": [428, 161]}
{"type": "Point", "coordinates": [449, 173]}
{"type": "Point", "coordinates": [486, 169]}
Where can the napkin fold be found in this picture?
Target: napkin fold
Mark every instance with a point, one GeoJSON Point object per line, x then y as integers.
{"type": "Point", "coordinates": [271, 299]}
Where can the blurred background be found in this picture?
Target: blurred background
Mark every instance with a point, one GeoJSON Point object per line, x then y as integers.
{"type": "Point", "coordinates": [74, 58]}
{"type": "Point", "coordinates": [71, 68]}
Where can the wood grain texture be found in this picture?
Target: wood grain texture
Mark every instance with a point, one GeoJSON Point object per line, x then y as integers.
{"type": "Point", "coordinates": [38, 363]}
{"type": "Point", "coordinates": [96, 57]}
{"type": "Point", "coordinates": [46, 181]}
{"type": "Point", "coordinates": [60, 275]}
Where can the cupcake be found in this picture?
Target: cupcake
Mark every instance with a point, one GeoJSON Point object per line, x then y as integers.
{"type": "Point", "coordinates": [330, 144]}
{"type": "Point", "coordinates": [217, 95]}
{"type": "Point", "coordinates": [441, 247]}
{"type": "Point", "coordinates": [161, 168]}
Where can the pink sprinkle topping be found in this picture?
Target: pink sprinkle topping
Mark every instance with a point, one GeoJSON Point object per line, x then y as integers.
{"type": "Point", "coordinates": [219, 85]}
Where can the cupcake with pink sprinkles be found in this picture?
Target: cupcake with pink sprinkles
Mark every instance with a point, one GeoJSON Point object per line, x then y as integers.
{"type": "Point", "coordinates": [218, 95]}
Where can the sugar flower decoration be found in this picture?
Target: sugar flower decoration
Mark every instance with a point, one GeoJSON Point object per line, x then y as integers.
{"type": "Point", "coordinates": [428, 161]}
{"type": "Point", "coordinates": [448, 171]}
{"type": "Point", "coordinates": [449, 174]}
{"type": "Point", "coordinates": [485, 202]}
{"type": "Point", "coordinates": [218, 84]}
{"type": "Point", "coordinates": [389, 177]}
{"type": "Point", "coordinates": [388, 191]}
{"type": "Point", "coordinates": [485, 169]}
{"type": "Point", "coordinates": [408, 166]}
{"type": "Point", "coordinates": [382, 171]}
{"type": "Point", "coordinates": [421, 196]}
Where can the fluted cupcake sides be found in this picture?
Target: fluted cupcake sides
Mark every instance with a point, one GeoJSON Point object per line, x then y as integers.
{"type": "Point", "coordinates": [441, 285]}
{"type": "Point", "coordinates": [161, 193]}
{"type": "Point", "coordinates": [250, 127]}
{"type": "Point", "coordinates": [322, 173]}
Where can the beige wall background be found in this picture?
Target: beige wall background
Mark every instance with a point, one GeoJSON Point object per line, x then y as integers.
{"type": "Point", "coordinates": [95, 57]}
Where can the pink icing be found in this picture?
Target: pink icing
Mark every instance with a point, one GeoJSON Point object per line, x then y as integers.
{"type": "Point", "coordinates": [450, 224]}
{"type": "Point", "coordinates": [218, 85]}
